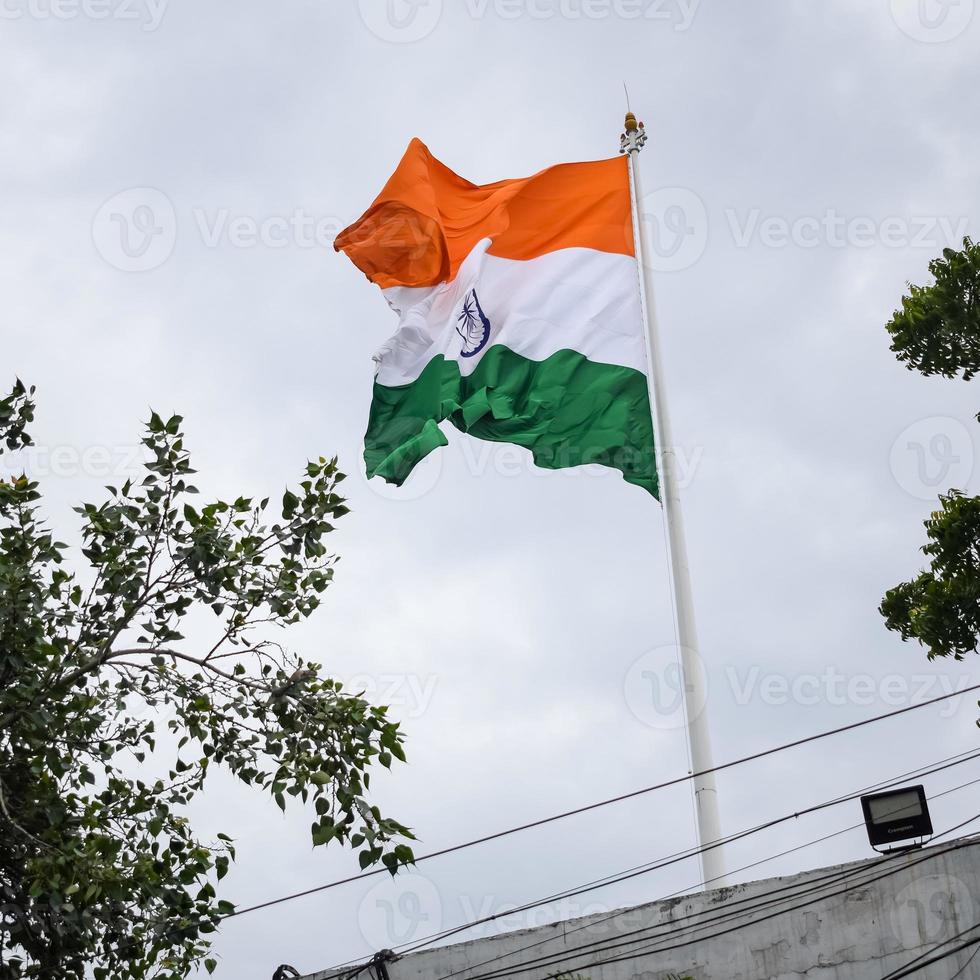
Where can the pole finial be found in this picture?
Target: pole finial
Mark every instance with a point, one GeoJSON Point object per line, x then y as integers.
{"type": "Point", "coordinates": [632, 140]}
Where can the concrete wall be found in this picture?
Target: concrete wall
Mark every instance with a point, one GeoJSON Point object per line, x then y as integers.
{"type": "Point", "coordinates": [804, 926]}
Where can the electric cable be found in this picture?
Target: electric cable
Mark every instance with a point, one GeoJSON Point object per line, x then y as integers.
{"type": "Point", "coordinates": [676, 781]}
{"type": "Point", "coordinates": [670, 860]}
{"type": "Point", "coordinates": [962, 969]}
{"type": "Point", "coordinates": [920, 961]}
{"type": "Point", "coordinates": [645, 951]}
{"type": "Point", "coordinates": [712, 918]}
{"type": "Point", "coordinates": [943, 764]}
{"type": "Point", "coordinates": [931, 950]}
{"type": "Point", "coordinates": [749, 906]}
{"type": "Point", "coordinates": [592, 923]}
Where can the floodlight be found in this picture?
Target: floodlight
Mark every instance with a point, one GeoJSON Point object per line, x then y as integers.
{"type": "Point", "coordinates": [897, 815]}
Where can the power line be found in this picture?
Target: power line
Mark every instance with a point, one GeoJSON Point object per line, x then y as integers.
{"type": "Point", "coordinates": [712, 918]}
{"type": "Point", "coordinates": [962, 969]}
{"type": "Point", "coordinates": [643, 952]}
{"type": "Point", "coordinates": [341, 970]}
{"type": "Point", "coordinates": [931, 769]}
{"type": "Point", "coordinates": [938, 959]}
{"type": "Point", "coordinates": [679, 856]}
{"type": "Point", "coordinates": [705, 919]}
{"type": "Point", "coordinates": [656, 946]}
{"type": "Point", "coordinates": [607, 802]}
{"type": "Point", "coordinates": [726, 912]}
{"type": "Point", "coordinates": [594, 922]}
{"type": "Point", "coordinates": [920, 961]}
{"type": "Point", "coordinates": [932, 949]}
{"type": "Point", "coordinates": [405, 948]}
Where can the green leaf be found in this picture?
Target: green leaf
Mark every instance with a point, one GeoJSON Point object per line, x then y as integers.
{"type": "Point", "coordinates": [114, 838]}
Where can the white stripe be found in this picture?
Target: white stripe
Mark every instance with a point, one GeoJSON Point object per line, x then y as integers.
{"type": "Point", "coordinates": [573, 299]}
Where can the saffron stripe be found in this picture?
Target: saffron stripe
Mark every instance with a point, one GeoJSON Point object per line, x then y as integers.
{"type": "Point", "coordinates": [427, 219]}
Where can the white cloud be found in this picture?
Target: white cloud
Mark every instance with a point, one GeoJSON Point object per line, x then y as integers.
{"type": "Point", "coordinates": [527, 597]}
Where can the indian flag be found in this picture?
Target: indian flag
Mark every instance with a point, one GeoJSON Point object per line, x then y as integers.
{"type": "Point", "coordinates": [519, 316]}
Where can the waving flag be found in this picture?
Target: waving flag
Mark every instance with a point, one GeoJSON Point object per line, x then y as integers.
{"type": "Point", "coordinates": [519, 316]}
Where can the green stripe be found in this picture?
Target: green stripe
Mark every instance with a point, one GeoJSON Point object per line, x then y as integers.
{"type": "Point", "coordinates": [566, 409]}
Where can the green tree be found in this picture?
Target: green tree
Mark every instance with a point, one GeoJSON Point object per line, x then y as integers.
{"type": "Point", "coordinates": [937, 331]}
{"type": "Point", "coordinates": [100, 872]}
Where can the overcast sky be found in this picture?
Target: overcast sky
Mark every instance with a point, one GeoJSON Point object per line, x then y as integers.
{"type": "Point", "coordinates": [172, 176]}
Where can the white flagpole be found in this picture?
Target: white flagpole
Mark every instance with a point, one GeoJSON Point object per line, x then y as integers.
{"type": "Point", "coordinates": [695, 690]}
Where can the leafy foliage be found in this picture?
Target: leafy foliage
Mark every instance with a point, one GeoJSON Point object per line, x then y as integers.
{"type": "Point", "coordinates": [941, 607]}
{"type": "Point", "coordinates": [100, 872]}
{"type": "Point", "coordinates": [937, 330]}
